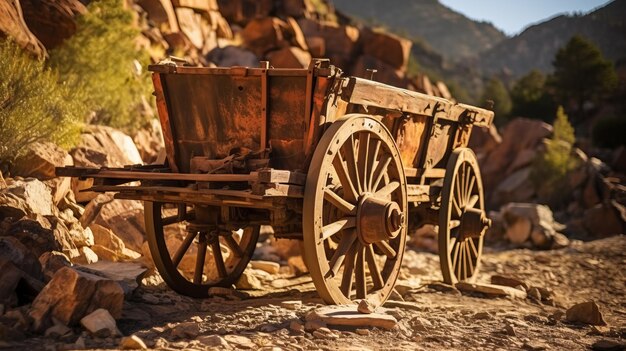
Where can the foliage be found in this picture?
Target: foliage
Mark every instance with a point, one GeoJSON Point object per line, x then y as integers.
{"type": "Point", "coordinates": [581, 74]}
{"type": "Point", "coordinates": [33, 105]}
{"type": "Point", "coordinates": [496, 91]}
{"type": "Point", "coordinates": [609, 132]}
{"type": "Point", "coordinates": [530, 98]}
{"type": "Point", "coordinates": [550, 168]}
{"type": "Point", "coordinates": [102, 61]}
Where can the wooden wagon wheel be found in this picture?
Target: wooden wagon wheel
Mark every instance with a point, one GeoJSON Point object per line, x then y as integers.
{"type": "Point", "coordinates": [462, 221]}
{"type": "Point", "coordinates": [354, 215]}
{"type": "Point", "coordinates": [191, 259]}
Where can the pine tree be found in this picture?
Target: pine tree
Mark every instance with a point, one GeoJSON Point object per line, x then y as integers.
{"type": "Point", "coordinates": [581, 75]}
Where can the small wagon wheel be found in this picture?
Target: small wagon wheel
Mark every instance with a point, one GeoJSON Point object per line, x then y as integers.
{"type": "Point", "coordinates": [191, 260]}
{"type": "Point", "coordinates": [462, 220]}
{"type": "Point", "coordinates": [354, 214]}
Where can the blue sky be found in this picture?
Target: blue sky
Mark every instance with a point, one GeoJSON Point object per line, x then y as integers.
{"type": "Point", "coordinates": [512, 16]}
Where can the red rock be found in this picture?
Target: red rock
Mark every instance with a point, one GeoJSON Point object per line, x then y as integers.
{"type": "Point", "coordinates": [52, 21]}
{"type": "Point", "coordinates": [289, 57]}
{"type": "Point", "coordinates": [390, 49]}
{"type": "Point", "coordinates": [71, 295]}
{"type": "Point", "coordinates": [39, 161]}
{"type": "Point", "coordinates": [241, 11]}
{"type": "Point", "coordinates": [386, 73]}
{"type": "Point", "coordinates": [51, 262]}
{"type": "Point", "coordinates": [585, 312]}
{"type": "Point", "coordinates": [261, 35]}
{"type": "Point", "coordinates": [605, 219]}
{"type": "Point", "coordinates": [12, 25]}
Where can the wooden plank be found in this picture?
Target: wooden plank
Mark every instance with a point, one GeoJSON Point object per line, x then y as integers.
{"type": "Point", "coordinates": [134, 175]}
{"type": "Point", "coordinates": [168, 139]}
{"type": "Point", "coordinates": [418, 193]}
{"type": "Point", "coordinates": [271, 175]}
{"type": "Point", "coordinates": [369, 93]}
{"type": "Point", "coordinates": [278, 190]}
{"type": "Point", "coordinates": [175, 190]}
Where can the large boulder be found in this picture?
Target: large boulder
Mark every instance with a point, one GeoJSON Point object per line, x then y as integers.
{"type": "Point", "coordinates": [52, 21]}
{"type": "Point", "coordinates": [149, 141]}
{"type": "Point", "coordinates": [22, 197]}
{"type": "Point", "coordinates": [484, 140]}
{"type": "Point", "coordinates": [39, 161]}
{"type": "Point", "coordinates": [12, 26]}
{"type": "Point", "coordinates": [289, 57]}
{"type": "Point", "coordinates": [261, 35]}
{"type": "Point", "coordinates": [390, 49]}
{"type": "Point", "coordinates": [385, 73]}
{"type": "Point", "coordinates": [123, 217]}
{"type": "Point", "coordinates": [533, 223]}
{"type": "Point", "coordinates": [340, 42]}
{"type": "Point", "coordinates": [71, 295]}
{"type": "Point", "coordinates": [605, 219]}
{"type": "Point", "coordinates": [43, 233]}
{"type": "Point", "coordinates": [518, 135]}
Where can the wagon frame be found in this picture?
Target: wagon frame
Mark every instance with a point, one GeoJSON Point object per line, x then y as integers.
{"type": "Point", "coordinates": [345, 164]}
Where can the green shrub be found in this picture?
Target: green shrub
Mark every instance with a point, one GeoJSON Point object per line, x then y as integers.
{"type": "Point", "coordinates": [609, 132]}
{"type": "Point", "coordinates": [101, 61]}
{"type": "Point", "coordinates": [550, 168]}
{"type": "Point", "coordinates": [33, 105]}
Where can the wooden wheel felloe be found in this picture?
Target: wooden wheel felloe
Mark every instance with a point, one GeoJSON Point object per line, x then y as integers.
{"type": "Point", "coordinates": [462, 221]}
{"type": "Point", "coordinates": [354, 215]}
{"type": "Point", "coordinates": [192, 257]}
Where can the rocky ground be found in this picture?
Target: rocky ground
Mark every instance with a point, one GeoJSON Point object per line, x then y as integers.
{"type": "Point", "coordinates": [425, 314]}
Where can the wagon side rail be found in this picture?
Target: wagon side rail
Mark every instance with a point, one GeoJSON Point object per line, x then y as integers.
{"type": "Point", "coordinates": [257, 189]}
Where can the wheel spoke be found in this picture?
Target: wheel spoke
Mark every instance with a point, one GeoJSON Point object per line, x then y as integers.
{"type": "Point", "coordinates": [380, 171]}
{"type": "Point", "coordinates": [458, 193]}
{"type": "Point", "coordinates": [182, 249]}
{"type": "Point", "coordinates": [454, 248]}
{"type": "Point", "coordinates": [169, 220]}
{"type": "Point", "coordinates": [344, 246]}
{"type": "Point", "coordinates": [364, 145]}
{"type": "Point", "coordinates": [387, 189]}
{"type": "Point", "coordinates": [343, 205]}
{"type": "Point", "coordinates": [333, 228]}
{"type": "Point", "coordinates": [472, 201]}
{"type": "Point", "coordinates": [371, 161]}
{"type": "Point", "coordinates": [233, 245]}
{"type": "Point", "coordinates": [219, 261]}
{"type": "Point", "coordinates": [471, 187]}
{"type": "Point", "coordinates": [377, 278]}
{"type": "Point", "coordinates": [351, 162]}
{"type": "Point", "coordinates": [459, 261]}
{"type": "Point", "coordinates": [468, 175]}
{"type": "Point", "coordinates": [348, 269]}
{"type": "Point", "coordinates": [361, 289]}
{"type": "Point", "coordinates": [470, 265]}
{"type": "Point", "coordinates": [457, 207]}
{"type": "Point", "coordinates": [342, 172]}
{"type": "Point", "coordinates": [463, 261]}
{"type": "Point", "coordinates": [386, 249]}
{"type": "Point", "coordinates": [197, 276]}
{"type": "Point", "coordinates": [454, 223]}
{"type": "Point", "coordinates": [473, 246]}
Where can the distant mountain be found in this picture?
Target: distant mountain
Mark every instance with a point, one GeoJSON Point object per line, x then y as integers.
{"type": "Point", "coordinates": [446, 31]}
{"type": "Point", "coordinates": [536, 46]}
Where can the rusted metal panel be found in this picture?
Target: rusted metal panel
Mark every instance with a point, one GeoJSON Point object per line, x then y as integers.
{"type": "Point", "coordinates": [168, 135]}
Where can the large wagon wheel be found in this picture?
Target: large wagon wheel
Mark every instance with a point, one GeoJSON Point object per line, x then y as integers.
{"type": "Point", "coordinates": [354, 215]}
{"type": "Point", "coordinates": [190, 258]}
{"type": "Point", "coordinates": [462, 221]}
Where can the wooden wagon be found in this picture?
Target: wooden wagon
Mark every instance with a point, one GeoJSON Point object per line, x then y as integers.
{"type": "Point", "coordinates": [344, 164]}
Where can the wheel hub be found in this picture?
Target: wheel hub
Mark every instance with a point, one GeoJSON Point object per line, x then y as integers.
{"type": "Point", "coordinates": [474, 223]}
{"type": "Point", "coordinates": [378, 219]}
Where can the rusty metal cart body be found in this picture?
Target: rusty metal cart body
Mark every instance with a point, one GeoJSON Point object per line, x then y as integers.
{"type": "Point", "coordinates": [342, 163]}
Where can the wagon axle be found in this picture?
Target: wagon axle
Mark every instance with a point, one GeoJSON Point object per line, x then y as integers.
{"type": "Point", "coordinates": [473, 224]}
{"type": "Point", "coordinates": [378, 219]}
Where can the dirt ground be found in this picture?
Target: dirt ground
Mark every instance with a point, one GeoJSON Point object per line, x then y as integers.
{"type": "Point", "coordinates": [431, 317]}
